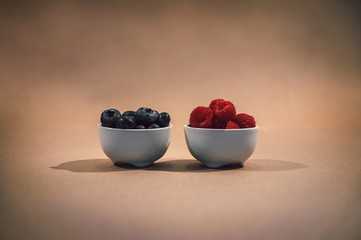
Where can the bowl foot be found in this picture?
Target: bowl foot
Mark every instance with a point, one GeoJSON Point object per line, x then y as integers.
{"type": "Point", "coordinates": [214, 165]}
{"type": "Point", "coordinates": [141, 164]}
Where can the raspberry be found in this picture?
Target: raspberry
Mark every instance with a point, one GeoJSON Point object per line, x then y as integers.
{"type": "Point", "coordinates": [245, 121]}
{"type": "Point", "coordinates": [214, 102]}
{"type": "Point", "coordinates": [232, 125]}
{"type": "Point", "coordinates": [201, 117]}
{"type": "Point", "coordinates": [224, 111]}
{"type": "Point", "coordinates": [219, 124]}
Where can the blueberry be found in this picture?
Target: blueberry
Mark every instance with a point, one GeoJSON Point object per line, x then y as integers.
{"type": "Point", "coordinates": [140, 127]}
{"type": "Point", "coordinates": [163, 119]}
{"type": "Point", "coordinates": [146, 116]}
{"type": "Point", "coordinates": [110, 117]}
{"type": "Point", "coordinates": [154, 125]}
{"type": "Point", "coordinates": [129, 113]}
{"type": "Point", "coordinates": [126, 122]}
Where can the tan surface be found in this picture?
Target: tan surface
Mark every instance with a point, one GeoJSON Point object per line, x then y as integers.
{"type": "Point", "coordinates": [295, 67]}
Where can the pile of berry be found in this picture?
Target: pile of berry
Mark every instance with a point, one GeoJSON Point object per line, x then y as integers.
{"type": "Point", "coordinates": [143, 118]}
{"type": "Point", "coordinates": [220, 114]}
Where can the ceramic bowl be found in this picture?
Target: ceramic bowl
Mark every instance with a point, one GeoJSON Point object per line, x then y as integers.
{"type": "Point", "coordinates": [218, 147]}
{"type": "Point", "coordinates": [139, 147]}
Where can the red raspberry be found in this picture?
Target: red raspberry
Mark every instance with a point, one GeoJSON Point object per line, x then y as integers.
{"type": "Point", "coordinates": [214, 102]}
{"type": "Point", "coordinates": [201, 117]}
{"type": "Point", "coordinates": [224, 111]}
{"type": "Point", "coordinates": [232, 125]}
{"type": "Point", "coordinates": [219, 124]}
{"type": "Point", "coordinates": [245, 121]}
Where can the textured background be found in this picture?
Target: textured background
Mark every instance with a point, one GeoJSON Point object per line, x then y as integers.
{"type": "Point", "coordinates": [294, 65]}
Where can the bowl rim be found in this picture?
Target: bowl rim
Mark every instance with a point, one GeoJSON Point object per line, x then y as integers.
{"type": "Point", "coordinates": [221, 130]}
{"type": "Point", "coordinates": [133, 129]}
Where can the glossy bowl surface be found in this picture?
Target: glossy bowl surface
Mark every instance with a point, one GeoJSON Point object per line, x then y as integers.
{"type": "Point", "coordinates": [139, 147]}
{"type": "Point", "coordinates": [218, 147]}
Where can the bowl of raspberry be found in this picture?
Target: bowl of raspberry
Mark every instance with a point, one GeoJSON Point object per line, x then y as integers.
{"type": "Point", "coordinates": [137, 137]}
{"type": "Point", "coordinates": [217, 136]}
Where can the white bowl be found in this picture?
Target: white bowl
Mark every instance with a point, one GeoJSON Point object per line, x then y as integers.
{"type": "Point", "coordinates": [139, 147]}
{"type": "Point", "coordinates": [218, 147]}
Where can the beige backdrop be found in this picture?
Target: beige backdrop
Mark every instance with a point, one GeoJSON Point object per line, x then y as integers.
{"type": "Point", "coordinates": [294, 65]}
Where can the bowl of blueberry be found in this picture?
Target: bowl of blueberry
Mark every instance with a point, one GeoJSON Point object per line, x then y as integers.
{"type": "Point", "coordinates": [216, 135]}
{"type": "Point", "coordinates": [137, 137]}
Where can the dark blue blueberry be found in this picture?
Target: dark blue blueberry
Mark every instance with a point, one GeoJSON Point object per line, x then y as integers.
{"type": "Point", "coordinates": [154, 125]}
{"type": "Point", "coordinates": [109, 118]}
{"type": "Point", "coordinates": [127, 122]}
{"type": "Point", "coordinates": [163, 119]}
{"type": "Point", "coordinates": [129, 113]}
{"type": "Point", "coordinates": [140, 127]}
{"type": "Point", "coordinates": [146, 116]}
